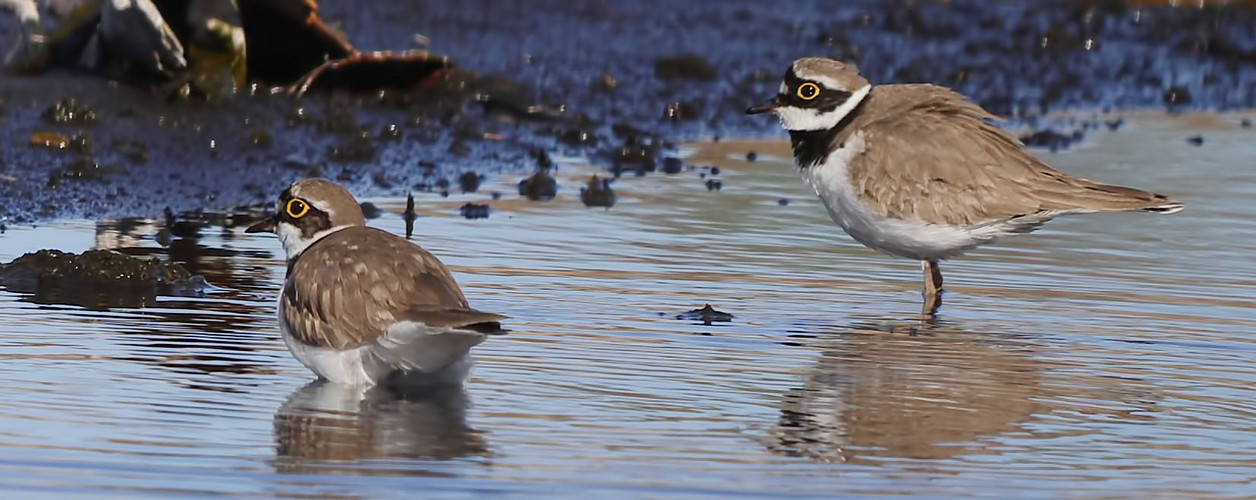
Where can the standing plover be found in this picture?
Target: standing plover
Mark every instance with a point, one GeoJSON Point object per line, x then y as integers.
{"type": "Point", "coordinates": [917, 171]}
{"type": "Point", "coordinates": [362, 306]}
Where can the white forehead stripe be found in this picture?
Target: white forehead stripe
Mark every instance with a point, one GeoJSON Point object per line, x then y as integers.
{"type": "Point", "coordinates": [827, 82]}
{"type": "Point", "coordinates": [295, 191]}
{"type": "Point", "coordinates": [803, 119]}
{"type": "Point", "coordinates": [824, 81]}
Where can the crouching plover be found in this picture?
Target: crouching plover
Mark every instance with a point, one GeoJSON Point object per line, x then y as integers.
{"type": "Point", "coordinates": [361, 306]}
{"type": "Point", "coordinates": [917, 171]}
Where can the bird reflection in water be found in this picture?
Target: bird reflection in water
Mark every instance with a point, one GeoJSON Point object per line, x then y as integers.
{"type": "Point", "coordinates": [927, 389]}
{"type": "Point", "coordinates": [329, 427]}
{"type": "Point", "coordinates": [907, 390]}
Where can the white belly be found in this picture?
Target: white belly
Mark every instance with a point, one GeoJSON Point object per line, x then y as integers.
{"type": "Point", "coordinates": [897, 237]}
{"type": "Point", "coordinates": [360, 365]}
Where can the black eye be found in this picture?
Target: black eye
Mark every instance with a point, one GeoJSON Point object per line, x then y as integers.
{"type": "Point", "coordinates": [297, 208]}
{"type": "Point", "coordinates": [808, 91]}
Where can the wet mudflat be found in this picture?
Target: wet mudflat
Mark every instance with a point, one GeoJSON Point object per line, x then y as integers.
{"type": "Point", "coordinates": [586, 77]}
{"type": "Point", "coordinates": [1104, 356]}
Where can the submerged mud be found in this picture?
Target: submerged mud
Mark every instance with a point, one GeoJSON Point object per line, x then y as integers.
{"type": "Point", "coordinates": [619, 82]}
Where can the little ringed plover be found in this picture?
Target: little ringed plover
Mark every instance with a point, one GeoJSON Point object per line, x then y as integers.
{"type": "Point", "coordinates": [919, 172]}
{"type": "Point", "coordinates": [362, 306]}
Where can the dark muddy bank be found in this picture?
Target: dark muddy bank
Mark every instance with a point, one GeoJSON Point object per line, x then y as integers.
{"type": "Point", "coordinates": [586, 77]}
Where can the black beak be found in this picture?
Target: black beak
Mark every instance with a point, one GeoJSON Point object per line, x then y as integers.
{"type": "Point", "coordinates": [764, 106]}
{"type": "Point", "coordinates": [266, 225]}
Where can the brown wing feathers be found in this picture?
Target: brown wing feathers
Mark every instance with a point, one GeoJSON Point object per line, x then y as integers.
{"type": "Point", "coordinates": [343, 302]}
{"type": "Point", "coordinates": [938, 159]}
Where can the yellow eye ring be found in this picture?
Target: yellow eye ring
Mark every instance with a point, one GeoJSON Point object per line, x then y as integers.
{"type": "Point", "coordinates": [808, 91]}
{"type": "Point", "coordinates": [297, 208]}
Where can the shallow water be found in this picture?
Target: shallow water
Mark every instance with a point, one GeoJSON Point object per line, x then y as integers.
{"type": "Point", "coordinates": [1107, 355]}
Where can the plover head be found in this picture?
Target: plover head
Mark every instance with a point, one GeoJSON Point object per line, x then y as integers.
{"type": "Point", "coordinates": [309, 210]}
{"type": "Point", "coordinates": [816, 94]}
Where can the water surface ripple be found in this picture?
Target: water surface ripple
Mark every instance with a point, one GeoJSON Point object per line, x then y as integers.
{"type": "Point", "coordinates": [1108, 355]}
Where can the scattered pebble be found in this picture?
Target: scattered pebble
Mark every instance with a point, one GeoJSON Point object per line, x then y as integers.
{"type": "Point", "coordinates": [597, 193]}
{"type": "Point", "coordinates": [706, 315]}
{"type": "Point", "coordinates": [715, 170]}
{"type": "Point", "coordinates": [1245, 123]}
{"type": "Point", "coordinates": [783, 202]}
{"type": "Point", "coordinates": [370, 211]}
{"type": "Point", "coordinates": [752, 156]}
{"type": "Point", "coordinates": [408, 215]}
{"type": "Point", "coordinates": [1116, 124]}
{"type": "Point", "coordinates": [1197, 140]}
{"type": "Point", "coordinates": [474, 211]}
{"type": "Point", "coordinates": [540, 186]}
{"type": "Point", "coordinates": [672, 165]}
{"type": "Point", "coordinates": [714, 185]}
{"type": "Point", "coordinates": [469, 182]}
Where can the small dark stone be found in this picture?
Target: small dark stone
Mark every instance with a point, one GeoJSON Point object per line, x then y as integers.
{"type": "Point", "coordinates": [782, 202]}
{"type": "Point", "coordinates": [597, 193]}
{"type": "Point", "coordinates": [370, 211]}
{"type": "Point", "coordinates": [715, 170]}
{"type": "Point", "coordinates": [496, 195]}
{"type": "Point", "coordinates": [1245, 123]}
{"type": "Point", "coordinates": [752, 156]}
{"type": "Point", "coordinates": [97, 276]}
{"type": "Point", "coordinates": [541, 158]}
{"type": "Point", "coordinates": [1116, 124]}
{"type": "Point", "coordinates": [442, 183]}
{"type": "Point", "coordinates": [672, 165]}
{"type": "Point", "coordinates": [714, 185]}
{"type": "Point", "coordinates": [409, 215]}
{"type": "Point", "coordinates": [706, 315]}
{"type": "Point", "coordinates": [474, 211]}
{"type": "Point", "coordinates": [540, 186]}
{"type": "Point", "coordinates": [469, 182]}
{"type": "Point", "coordinates": [1197, 140]}
{"type": "Point", "coordinates": [634, 156]}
